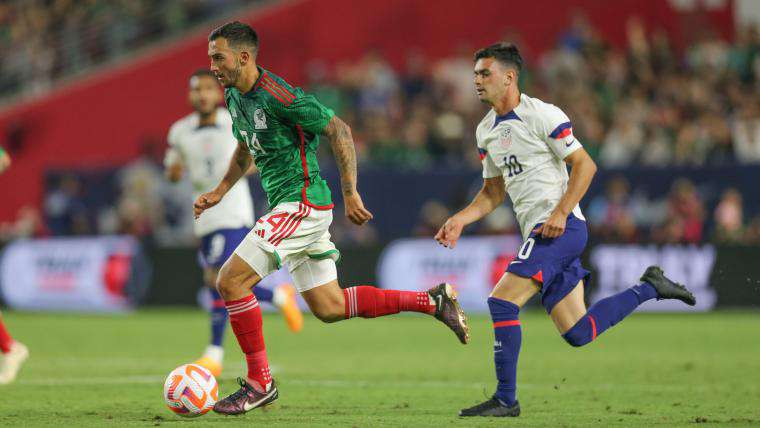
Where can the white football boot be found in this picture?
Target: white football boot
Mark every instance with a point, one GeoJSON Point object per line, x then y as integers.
{"type": "Point", "coordinates": [11, 363]}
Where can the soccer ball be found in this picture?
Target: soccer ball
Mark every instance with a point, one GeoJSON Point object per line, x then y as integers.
{"type": "Point", "coordinates": [190, 390]}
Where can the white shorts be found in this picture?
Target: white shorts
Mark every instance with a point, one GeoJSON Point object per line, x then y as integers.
{"type": "Point", "coordinates": [298, 236]}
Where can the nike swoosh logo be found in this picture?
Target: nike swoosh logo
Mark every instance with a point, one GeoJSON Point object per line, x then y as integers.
{"type": "Point", "coordinates": [249, 406]}
{"type": "Point", "coordinates": [570, 143]}
{"type": "Point", "coordinates": [516, 261]}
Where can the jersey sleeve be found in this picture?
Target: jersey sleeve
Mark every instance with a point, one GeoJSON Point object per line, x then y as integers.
{"type": "Point", "coordinates": [555, 129]}
{"type": "Point", "coordinates": [174, 151]}
{"type": "Point", "coordinates": [236, 133]}
{"type": "Point", "coordinates": [490, 169]}
{"type": "Point", "coordinates": [306, 111]}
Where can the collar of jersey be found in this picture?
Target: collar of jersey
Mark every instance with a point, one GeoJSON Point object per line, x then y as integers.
{"type": "Point", "coordinates": [258, 82]}
{"type": "Point", "coordinates": [510, 115]}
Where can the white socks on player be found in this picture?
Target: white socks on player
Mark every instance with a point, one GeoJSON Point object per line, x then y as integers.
{"type": "Point", "coordinates": [214, 352]}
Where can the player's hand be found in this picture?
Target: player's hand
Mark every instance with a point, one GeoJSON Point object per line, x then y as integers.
{"type": "Point", "coordinates": [450, 232]}
{"type": "Point", "coordinates": [206, 201]}
{"type": "Point", "coordinates": [553, 227]}
{"type": "Point", "coordinates": [355, 210]}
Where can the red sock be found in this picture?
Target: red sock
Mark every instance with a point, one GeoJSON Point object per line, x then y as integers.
{"type": "Point", "coordinates": [369, 302]}
{"type": "Point", "coordinates": [245, 317]}
{"type": "Point", "coordinates": [5, 338]}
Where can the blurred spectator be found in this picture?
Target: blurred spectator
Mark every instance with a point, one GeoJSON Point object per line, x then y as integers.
{"type": "Point", "coordinates": [752, 235]}
{"type": "Point", "coordinates": [65, 210]}
{"type": "Point", "coordinates": [28, 223]}
{"type": "Point", "coordinates": [150, 207]}
{"type": "Point", "coordinates": [745, 130]}
{"type": "Point", "coordinates": [500, 221]}
{"type": "Point", "coordinates": [729, 217]}
{"type": "Point", "coordinates": [378, 87]}
{"type": "Point", "coordinates": [345, 233]}
{"type": "Point", "coordinates": [453, 78]}
{"type": "Point", "coordinates": [432, 216]}
{"type": "Point", "coordinates": [611, 215]}
{"type": "Point", "coordinates": [623, 142]}
{"type": "Point", "coordinates": [686, 213]}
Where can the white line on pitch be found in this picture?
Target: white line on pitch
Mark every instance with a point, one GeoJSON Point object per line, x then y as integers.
{"type": "Point", "coordinates": [334, 383]}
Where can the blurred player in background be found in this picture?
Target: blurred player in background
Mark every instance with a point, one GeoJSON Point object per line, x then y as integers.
{"type": "Point", "coordinates": [279, 126]}
{"type": "Point", "coordinates": [202, 144]}
{"type": "Point", "coordinates": [12, 353]}
{"type": "Point", "coordinates": [524, 145]}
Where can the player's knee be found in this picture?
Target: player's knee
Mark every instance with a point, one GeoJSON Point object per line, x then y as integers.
{"type": "Point", "coordinates": [227, 284]}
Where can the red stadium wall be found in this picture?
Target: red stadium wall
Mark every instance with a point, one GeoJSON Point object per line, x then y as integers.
{"type": "Point", "coordinates": [102, 119]}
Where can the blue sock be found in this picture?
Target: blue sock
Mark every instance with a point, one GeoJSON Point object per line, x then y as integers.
{"type": "Point", "coordinates": [263, 294]}
{"type": "Point", "coordinates": [218, 318]}
{"type": "Point", "coordinates": [506, 323]}
{"type": "Point", "coordinates": [608, 312]}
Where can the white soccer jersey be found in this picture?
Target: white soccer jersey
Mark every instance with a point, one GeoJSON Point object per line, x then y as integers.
{"type": "Point", "coordinates": [527, 147]}
{"type": "Point", "coordinates": [205, 152]}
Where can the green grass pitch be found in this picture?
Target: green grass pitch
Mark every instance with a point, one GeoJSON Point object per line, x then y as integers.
{"type": "Point", "coordinates": [406, 371]}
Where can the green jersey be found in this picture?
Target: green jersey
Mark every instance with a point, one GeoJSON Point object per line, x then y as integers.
{"type": "Point", "coordinates": [280, 125]}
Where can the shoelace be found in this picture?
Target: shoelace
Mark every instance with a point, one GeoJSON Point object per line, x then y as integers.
{"type": "Point", "coordinates": [243, 391]}
{"type": "Point", "coordinates": [486, 404]}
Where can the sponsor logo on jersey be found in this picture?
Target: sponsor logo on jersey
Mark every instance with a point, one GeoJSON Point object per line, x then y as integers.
{"type": "Point", "coordinates": [259, 119]}
{"type": "Point", "coordinates": [505, 137]}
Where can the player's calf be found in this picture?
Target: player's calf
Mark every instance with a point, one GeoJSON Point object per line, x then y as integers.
{"type": "Point", "coordinates": [329, 312]}
{"type": "Point", "coordinates": [611, 310]}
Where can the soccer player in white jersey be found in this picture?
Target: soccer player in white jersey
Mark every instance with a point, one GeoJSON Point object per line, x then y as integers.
{"type": "Point", "coordinates": [524, 144]}
{"type": "Point", "coordinates": [202, 144]}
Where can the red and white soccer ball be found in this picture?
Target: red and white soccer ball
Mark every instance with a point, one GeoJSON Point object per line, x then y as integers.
{"type": "Point", "coordinates": [190, 390]}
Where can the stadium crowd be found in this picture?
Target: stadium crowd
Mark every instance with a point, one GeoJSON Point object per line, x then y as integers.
{"type": "Point", "coordinates": [648, 105]}
{"type": "Point", "coordinates": [53, 39]}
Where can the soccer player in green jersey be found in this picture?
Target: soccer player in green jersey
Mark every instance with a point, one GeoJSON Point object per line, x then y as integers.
{"type": "Point", "coordinates": [278, 127]}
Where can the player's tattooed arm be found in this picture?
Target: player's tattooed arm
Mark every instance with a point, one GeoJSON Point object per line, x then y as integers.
{"type": "Point", "coordinates": [342, 144]}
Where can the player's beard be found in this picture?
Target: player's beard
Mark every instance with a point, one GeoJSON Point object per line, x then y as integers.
{"type": "Point", "coordinates": [233, 75]}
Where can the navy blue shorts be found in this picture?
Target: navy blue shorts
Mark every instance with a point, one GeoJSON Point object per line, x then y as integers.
{"type": "Point", "coordinates": [554, 262]}
{"type": "Point", "coordinates": [218, 246]}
